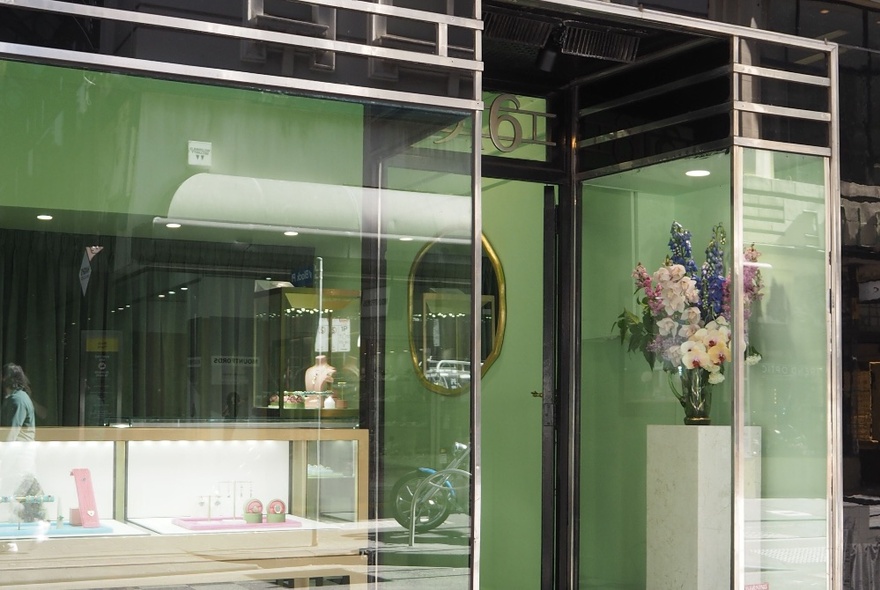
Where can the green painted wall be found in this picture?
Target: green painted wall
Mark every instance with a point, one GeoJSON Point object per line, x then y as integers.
{"type": "Point", "coordinates": [511, 416]}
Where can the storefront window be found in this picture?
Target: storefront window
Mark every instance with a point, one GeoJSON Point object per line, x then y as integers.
{"type": "Point", "coordinates": [785, 460]}
{"type": "Point", "coordinates": [206, 288]}
{"type": "Point", "coordinates": [667, 515]}
{"type": "Point", "coordinates": [642, 522]}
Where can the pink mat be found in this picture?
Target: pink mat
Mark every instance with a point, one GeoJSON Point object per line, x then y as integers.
{"type": "Point", "coordinates": [193, 523]}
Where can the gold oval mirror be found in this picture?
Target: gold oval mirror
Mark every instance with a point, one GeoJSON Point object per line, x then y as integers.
{"type": "Point", "coordinates": [440, 314]}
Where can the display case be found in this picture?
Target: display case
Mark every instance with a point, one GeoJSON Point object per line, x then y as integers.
{"type": "Point", "coordinates": [244, 502]}
{"type": "Point", "coordinates": [298, 329]}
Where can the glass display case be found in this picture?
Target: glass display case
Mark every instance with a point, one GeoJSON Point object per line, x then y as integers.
{"type": "Point", "coordinates": [109, 491]}
{"type": "Point", "coordinates": [307, 343]}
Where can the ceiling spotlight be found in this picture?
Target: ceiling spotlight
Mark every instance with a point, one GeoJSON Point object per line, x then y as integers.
{"type": "Point", "coordinates": [291, 233]}
{"type": "Point", "coordinates": [697, 173]}
{"type": "Point", "coordinates": [406, 239]}
{"type": "Point", "coordinates": [172, 225]}
{"type": "Point", "coordinates": [550, 51]}
{"type": "Point", "coordinates": [44, 217]}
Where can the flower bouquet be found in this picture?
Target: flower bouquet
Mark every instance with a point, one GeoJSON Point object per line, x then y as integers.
{"type": "Point", "coordinates": [685, 318]}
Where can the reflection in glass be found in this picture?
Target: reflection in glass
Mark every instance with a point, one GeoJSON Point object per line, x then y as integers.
{"type": "Point", "coordinates": [440, 314]}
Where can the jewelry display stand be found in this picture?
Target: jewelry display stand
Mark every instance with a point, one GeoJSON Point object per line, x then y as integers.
{"type": "Point", "coordinates": [87, 512]}
{"type": "Point", "coordinates": [320, 375]}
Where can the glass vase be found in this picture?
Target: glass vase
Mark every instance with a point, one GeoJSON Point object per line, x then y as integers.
{"type": "Point", "coordinates": [695, 395]}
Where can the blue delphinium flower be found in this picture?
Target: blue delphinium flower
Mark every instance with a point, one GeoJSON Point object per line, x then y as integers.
{"type": "Point", "coordinates": [680, 246]}
{"type": "Point", "coordinates": [712, 276]}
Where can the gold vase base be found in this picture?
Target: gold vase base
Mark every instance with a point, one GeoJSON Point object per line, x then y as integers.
{"type": "Point", "coordinates": [698, 421]}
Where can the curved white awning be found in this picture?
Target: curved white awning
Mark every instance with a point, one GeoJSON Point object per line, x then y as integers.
{"type": "Point", "coordinates": [221, 200]}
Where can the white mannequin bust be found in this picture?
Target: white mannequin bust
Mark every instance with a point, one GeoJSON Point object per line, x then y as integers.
{"type": "Point", "coordinates": [320, 375]}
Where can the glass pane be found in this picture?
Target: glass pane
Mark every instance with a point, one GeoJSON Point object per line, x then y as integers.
{"type": "Point", "coordinates": [426, 466]}
{"type": "Point", "coordinates": [786, 407]}
{"type": "Point", "coordinates": [206, 289]}
{"type": "Point", "coordinates": [640, 490]}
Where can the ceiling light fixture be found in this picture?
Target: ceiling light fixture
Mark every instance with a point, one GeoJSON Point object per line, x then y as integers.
{"type": "Point", "coordinates": [552, 47]}
{"type": "Point", "coordinates": [44, 217]}
{"type": "Point", "coordinates": [291, 233]}
{"type": "Point", "coordinates": [172, 225]}
{"type": "Point", "coordinates": [697, 173]}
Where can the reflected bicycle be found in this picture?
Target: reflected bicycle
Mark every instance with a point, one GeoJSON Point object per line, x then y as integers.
{"type": "Point", "coordinates": [426, 496]}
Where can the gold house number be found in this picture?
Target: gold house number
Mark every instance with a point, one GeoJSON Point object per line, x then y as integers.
{"type": "Point", "coordinates": [498, 115]}
{"type": "Point", "coordinates": [506, 130]}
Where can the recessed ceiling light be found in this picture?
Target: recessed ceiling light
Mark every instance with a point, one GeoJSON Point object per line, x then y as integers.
{"type": "Point", "coordinates": [291, 233]}
{"type": "Point", "coordinates": [171, 292]}
{"type": "Point", "coordinates": [697, 173]}
{"type": "Point", "coordinates": [44, 217]}
{"type": "Point", "coordinates": [406, 239]}
{"type": "Point", "coordinates": [824, 11]}
{"type": "Point", "coordinates": [162, 296]}
{"type": "Point", "coordinates": [172, 225]}
{"type": "Point", "coordinates": [184, 288]}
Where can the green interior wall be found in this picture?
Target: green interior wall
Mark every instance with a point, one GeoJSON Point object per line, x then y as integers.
{"type": "Point", "coordinates": [103, 142]}
{"type": "Point", "coordinates": [511, 416]}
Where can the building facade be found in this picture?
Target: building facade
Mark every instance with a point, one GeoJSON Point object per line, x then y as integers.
{"type": "Point", "coordinates": [343, 293]}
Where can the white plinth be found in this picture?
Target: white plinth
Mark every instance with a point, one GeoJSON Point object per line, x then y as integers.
{"type": "Point", "coordinates": [689, 504]}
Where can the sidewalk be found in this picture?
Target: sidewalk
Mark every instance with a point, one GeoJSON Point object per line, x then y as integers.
{"type": "Point", "coordinates": [439, 560]}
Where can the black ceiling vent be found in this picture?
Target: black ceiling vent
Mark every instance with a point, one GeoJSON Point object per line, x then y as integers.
{"type": "Point", "coordinates": [516, 28]}
{"type": "Point", "coordinates": [600, 43]}
{"type": "Point", "coordinates": [565, 36]}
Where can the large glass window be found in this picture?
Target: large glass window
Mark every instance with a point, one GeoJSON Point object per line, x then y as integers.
{"type": "Point", "coordinates": [643, 523]}
{"type": "Point", "coordinates": [657, 466]}
{"type": "Point", "coordinates": [785, 460]}
{"type": "Point", "coordinates": [222, 274]}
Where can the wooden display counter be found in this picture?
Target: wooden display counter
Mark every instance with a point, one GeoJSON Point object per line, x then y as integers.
{"type": "Point", "coordinates": [147, 481]}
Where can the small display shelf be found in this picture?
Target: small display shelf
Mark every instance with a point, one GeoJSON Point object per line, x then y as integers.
{"type": "Point", "coordinates": [291, 334]}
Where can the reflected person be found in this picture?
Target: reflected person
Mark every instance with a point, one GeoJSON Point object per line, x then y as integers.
{"type": "Point", "coordinates": [17, 410]}
{"type": "Point", "coordinates": [17, 414]}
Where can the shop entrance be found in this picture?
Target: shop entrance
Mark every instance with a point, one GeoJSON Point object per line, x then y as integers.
{"type": "Point", "coordinates": [570, 98]}
{"type": "Point", "coordinates": [615, 154]}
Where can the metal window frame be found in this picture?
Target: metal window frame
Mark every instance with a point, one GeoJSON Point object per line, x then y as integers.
{"type": "Point", "coordinates": [244, 33]}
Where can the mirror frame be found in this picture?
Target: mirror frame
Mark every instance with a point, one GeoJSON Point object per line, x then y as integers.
{"type": "Point", "coordinates": [501, 313]}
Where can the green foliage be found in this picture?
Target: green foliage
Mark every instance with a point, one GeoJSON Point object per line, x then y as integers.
{"type": "Point", "coordinates": [638, 331]}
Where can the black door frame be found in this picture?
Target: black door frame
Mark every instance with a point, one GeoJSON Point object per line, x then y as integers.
{"type": "Point", "coordinates": [560, 415]}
